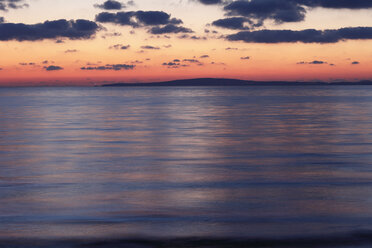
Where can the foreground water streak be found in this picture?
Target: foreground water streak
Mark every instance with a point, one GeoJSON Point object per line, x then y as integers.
{"type": "Point", "coordinates": [245, 162]}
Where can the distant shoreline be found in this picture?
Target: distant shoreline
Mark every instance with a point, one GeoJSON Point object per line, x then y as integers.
{"type": "Point", "coordinates": [199, 82]}
{"type": "Point", "coordinates": [229, 82]}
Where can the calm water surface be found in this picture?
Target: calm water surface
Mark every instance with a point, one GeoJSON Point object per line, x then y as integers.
{"type": "Point", "coordinates": [185, 162]}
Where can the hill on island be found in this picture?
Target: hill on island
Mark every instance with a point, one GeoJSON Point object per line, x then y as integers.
{"type": "Point", "coordinates": [229, 82]}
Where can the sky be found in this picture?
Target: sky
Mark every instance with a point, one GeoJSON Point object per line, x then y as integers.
{"type": "Point", "coordinates": [92, 42]}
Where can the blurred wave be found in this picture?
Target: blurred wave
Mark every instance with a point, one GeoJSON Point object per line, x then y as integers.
{"type": "Point", "coordinates": [255, 164]}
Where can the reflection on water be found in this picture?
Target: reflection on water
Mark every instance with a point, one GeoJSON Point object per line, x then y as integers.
{"type": "Point", "coordinates": [185, 162]}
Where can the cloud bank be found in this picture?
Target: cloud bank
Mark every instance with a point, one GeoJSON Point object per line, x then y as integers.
{"type": "Point", "coordinates": [303, 36]}
{"type": "Point", "coordinates": [79, 29]}
{"type": "Point", "coordinates": [159, 22]}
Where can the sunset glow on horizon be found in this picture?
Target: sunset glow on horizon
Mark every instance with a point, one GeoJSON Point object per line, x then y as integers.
{"type": "Point", "coordinates": [65, 42]}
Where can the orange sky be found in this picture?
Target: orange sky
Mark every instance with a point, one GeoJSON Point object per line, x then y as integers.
{"type": "Point", "coordinates": [266, 61]}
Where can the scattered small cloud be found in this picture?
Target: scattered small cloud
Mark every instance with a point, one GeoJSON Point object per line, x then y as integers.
{"type": "Point", "coordinates": [150, 47]}
{"type": "Point", "coordinates": [112, 67]}
{"type": "Point", "coordinates": [27, 64]}
{"type": "Point", "coordinates": [231, 49]}
{"type": "Point", "coordinates": [131, 3]}
{"type": "Point", "coordinates": [174, 64]}
{"type": "Point", "coordinates": [114, 34]}
{"type": "Point", "coordinates": [315, 62]}
{"type": "Point", "coordinates": [218, 63]}
{"type": "Point", "coordinates": [53, 68]}
{"type": "Point", "coordinates": [191, 60]}
{"type": "Point", "coordinates": [136, 62]}
{"type": "Point", "coordinates": [111, 5]}
{"type": "Point", "coordinates": [120, 47]}
{"type": "Point", "coordinates": [192, 37]}
{"type": "Point", "coordinates": [71, 51]}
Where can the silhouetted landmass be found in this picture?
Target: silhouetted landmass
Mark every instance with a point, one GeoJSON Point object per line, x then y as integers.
{"type": "Point", "coordinates": [230, 82]}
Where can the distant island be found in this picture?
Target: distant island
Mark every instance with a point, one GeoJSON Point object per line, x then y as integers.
{"type": "Point", "coordinates": [230, 82]}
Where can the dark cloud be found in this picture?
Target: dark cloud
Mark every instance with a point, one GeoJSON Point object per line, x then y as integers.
{"type": "Point", "coordinates": [113, 67]}
{"type": "Point", "coordinates": [245, 58]}
{"type": "Point", "coordinates": [2, 19]}
{"type": "Point", "coordinates": [355, 63]}
{"type": "Point", "coordinates": [204, 56]}
{"type": "Point", "coordinates": [120, 47]}
{"type": "Point", "coordinates": [258, 10]}
{"type": "Point", "coordinates": [5, 5]}
{"type": "Point", "coordinates": [159, 22]}
{"type": "Point", "coordinates": [233, 23]}
{"type": "Point", "coordinates": [79, 29]}
{"type": "Point", "coordinates": [317, 62]}
{"type": "Point", "coordinates": [155, 18]}
{"type": "Point", "coordinates": [111, 5]}
{"type": "Point", "coordinates": [337, 4]}
{"type": "Point", "coordinates": [150, 47]}
{"type": "Point", "coordinates": [137, 18]}
{"type": "Point", "coordinates": [53, 68]}
{"type": "Point", "coordinates": [121, 18]}
{"type": "Point", "coordinates": [170, 28]}
{"type": "Point", "coordinates": [304, 36]}
{"type": "Point", "coordinates": [280, 11]}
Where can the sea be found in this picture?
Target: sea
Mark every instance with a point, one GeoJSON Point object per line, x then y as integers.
{"type": "Point", "coordinates": [244, 166]}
